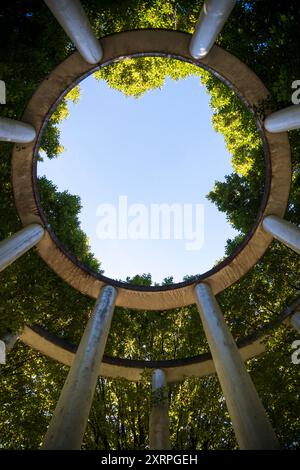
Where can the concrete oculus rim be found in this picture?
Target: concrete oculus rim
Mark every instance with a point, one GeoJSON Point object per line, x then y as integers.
{"type": "Point", "coordinates": [169, 44]}
{"type": "Point", "coordinates": [176, 370]}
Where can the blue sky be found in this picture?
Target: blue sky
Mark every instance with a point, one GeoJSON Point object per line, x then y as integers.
{"type": "Point", "coordinates": [160, 148]}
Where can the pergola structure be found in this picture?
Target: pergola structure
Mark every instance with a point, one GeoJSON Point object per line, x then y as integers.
{"type": "Point", "coordinates": [249, 419]}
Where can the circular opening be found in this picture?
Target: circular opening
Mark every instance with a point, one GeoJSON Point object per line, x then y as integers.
{"type": "Point", "coordinates": [239, 78]}
{"type": "Point", "coordinates": [148, 164]}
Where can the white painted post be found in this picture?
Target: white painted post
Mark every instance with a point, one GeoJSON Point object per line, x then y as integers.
{"type": "Point", "coordinates": [159, 429]}
{"type": "Point", "coordinates": [249, 419]}
{"type": "Point", "coordinates": [211, 21]}
{"type": "Point", "coordinates": [16, 131]}
{"type": "Point", "coordinates": [284, 231]}
{"type": "Point", "coordinates": [71, 414]}
{"type": "Point", "coordinates": [15, 246]}
{"type": "Point", "coordinates": [73, 19]}
{"type": "Point", "coordinates": [284, 120]}
{"type": "Point", "coordinates": [295, 321]}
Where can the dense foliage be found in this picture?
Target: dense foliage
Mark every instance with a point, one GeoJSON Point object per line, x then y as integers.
{"type": "Point", "coordinates": [265, 35]}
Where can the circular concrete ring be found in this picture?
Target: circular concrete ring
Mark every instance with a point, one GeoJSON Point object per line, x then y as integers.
{"type": "Point", "coordinates": [112, 367]}
{"type": "Point", "coordinates": [176, 370]}
{"type": "Point", "coordinates": [169, 44]}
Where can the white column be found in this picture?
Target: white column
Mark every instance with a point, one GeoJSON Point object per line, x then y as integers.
{"type": "Point", "coordinates": [211, 21]}
{"type": "Point", "coordinates": [16, 131]}
{"type": "Point", "coordinates": [284, 120]}
{"type": "Point", "coordinates": [71, 414]}
{"type": "Point", "coordinates": [72, 18]}
{"type": "Point", "coordinates": [295, 321]}
{"type": "Point", "coordinates": [159, 428]}
{"type": "Point", "coordinates": [284, 231]}
{"type": "Point", "coordinates": [15, 246]}
{"type": "Point", "coordinates": [249, 419]}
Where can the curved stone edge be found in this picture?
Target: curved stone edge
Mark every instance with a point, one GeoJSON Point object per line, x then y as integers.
{"type": "Point", "coordinates": [117, 46]}
{"type": "Point", "coordinates": [177, 370]}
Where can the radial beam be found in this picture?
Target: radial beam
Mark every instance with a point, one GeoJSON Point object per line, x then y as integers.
{"type": "Point", "coordinates": [72, 18]}
{"type": "Point", "coordinates": [70, 417]}
{"type": "Point", "coordinates": [16, 131]}
{"type": "Point", "coordinates": [284, 120]}
{"type": "Point", "coordinates": [159, 428]}
{"type": "Point", "coordinates": [15, 246]}
{"type": "Point", "coordinates": [249, 419]}
{"type": "Point", "coordinates": [212, 18]}
{"type": "Point", "coordinates": [284, 231]}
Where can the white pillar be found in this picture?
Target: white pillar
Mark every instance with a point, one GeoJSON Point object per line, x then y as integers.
{"type": "Point", "coordinates": [71, 414]}
{"type": "Point", "coordinates": [16, 131]}
{"type": "Point", "coordinates": [212, 18]}
{"type": "Point", "coordinates": [159, 428]}
{"type": "Point", "coordinates": [295, 321]}
{"type": "Point", "coordinates": [15, 246]}
{"type": "Point", "coordinates": [284, 231]}
{"type": "Point", "coordinates": [284, 120]}
{"type": "Point", "coordinates": [72, 18]}
{"type": "Point", "coordinates": [249, 419]}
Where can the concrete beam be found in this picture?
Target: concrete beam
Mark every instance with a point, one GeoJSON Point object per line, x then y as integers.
{"type": "Point", "coordinates": [71, 414]}
{"type": "Point", "coordinates": [15, 246]}
{"type": "Point", "coordinates": [249, 419]}
{"type": "Point", "coordinates": [284, 120]}
{"type": "Point", "coordinates": [284, 231]}
{"type": "Point", "coordinates": [159, 427]}
{"type": "Point", "coordinates": [16, 131]}
{"type": "Point", "coordinates": [72, 18]}
{"type": "Point", "coordinates": [211, 21]}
